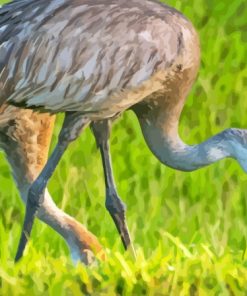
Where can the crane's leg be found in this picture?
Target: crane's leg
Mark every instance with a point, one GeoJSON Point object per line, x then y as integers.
{"type": "Point", "coordinates": [72, 127]}
{"type": "Point", "coordinates": [114, 204]}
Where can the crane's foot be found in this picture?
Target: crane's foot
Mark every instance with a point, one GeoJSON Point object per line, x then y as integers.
{"type": "Point", "coordinates": [33, 204]}
{"type": "Point", "coordinates": [26, 230]}
{"type": "Point", "coordinates": [120, 222]}
{"type": "Point", "coordinates": [117, 210]}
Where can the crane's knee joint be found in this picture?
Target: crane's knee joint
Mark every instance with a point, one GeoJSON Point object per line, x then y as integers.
{"type": "Point", "coordinates": [113, 203]}
{"type": "Point", "coordinates": [36, 195]}
{"type": "Point", "coordinates": [66, 137]}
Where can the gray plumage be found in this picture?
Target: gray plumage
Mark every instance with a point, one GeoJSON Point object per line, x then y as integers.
{"type": "Point", "coordinates": [75, 55]}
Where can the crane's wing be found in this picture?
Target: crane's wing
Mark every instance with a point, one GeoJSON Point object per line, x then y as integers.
{"type": "Point", "coordinates": [69, 55]}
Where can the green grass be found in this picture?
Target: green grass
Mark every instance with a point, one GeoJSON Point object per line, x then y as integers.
{"type": "Point", "coordinates": [190, 229]}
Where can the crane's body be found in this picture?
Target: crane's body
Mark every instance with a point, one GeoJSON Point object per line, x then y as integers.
{"type": "Point", "coordinates": [96, 59]}
{"type": "Point", "coordinates": [99, 58]}
{"type": "Point", "coordinates": [25, 139]}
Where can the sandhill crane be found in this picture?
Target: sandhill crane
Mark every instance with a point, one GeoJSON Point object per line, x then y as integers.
{"type": "Point", "coordinates": [25, 138]}
{"type": "Point", "coordinates": [95, 59]}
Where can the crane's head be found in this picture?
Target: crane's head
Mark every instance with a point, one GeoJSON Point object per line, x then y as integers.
{"type": "Point", "coordinates": [238, 145]}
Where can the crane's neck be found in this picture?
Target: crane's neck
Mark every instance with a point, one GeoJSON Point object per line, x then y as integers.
{"type": "Point", "coordinates": [160, 130]}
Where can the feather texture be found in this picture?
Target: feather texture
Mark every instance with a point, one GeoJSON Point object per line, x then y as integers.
{"type": "Point", "coordinates": [89, 56]}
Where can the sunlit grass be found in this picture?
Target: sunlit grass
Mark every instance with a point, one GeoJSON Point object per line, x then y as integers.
{"type": "Point", "coordinates": [174, 269]}
{"type": "Point", "coordinates": [190, 229]}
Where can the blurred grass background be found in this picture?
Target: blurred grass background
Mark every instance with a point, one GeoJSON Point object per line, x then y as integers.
{"type": "Point", "coordinates": [190, 229]}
